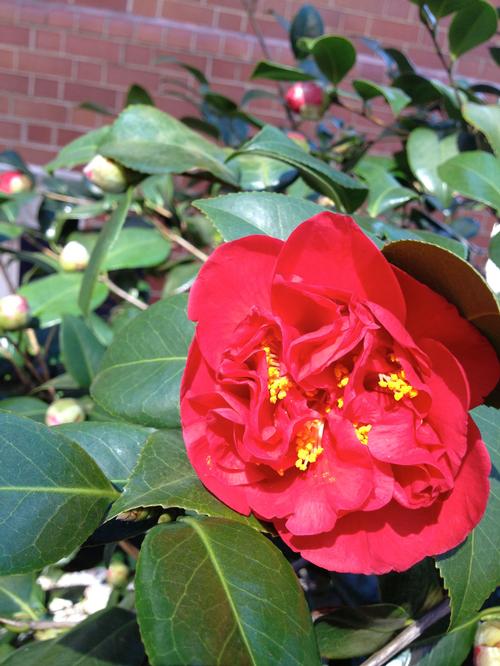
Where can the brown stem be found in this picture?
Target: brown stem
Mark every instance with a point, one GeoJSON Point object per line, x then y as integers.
{"type": "Point", "coordinates": [129, 548]}
{"type": "Point", "coordinates": [175, 238]}
{"type": "Point", "coordinates": [122, 293]}
{"type": "Point", "coordinates": [448, 65]}
{"type": "Point", "coordinates": [36, 625]}
{"type": "Point", "coordinates": [34, 372]}
{"type": "Point", "coordinates": [66, 198]}
{"type": "Point", "coordinates": [7, 278]}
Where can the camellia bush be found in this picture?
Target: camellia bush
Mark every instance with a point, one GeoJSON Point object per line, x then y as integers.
{"type": "Point", "coordinates": [249, 403]}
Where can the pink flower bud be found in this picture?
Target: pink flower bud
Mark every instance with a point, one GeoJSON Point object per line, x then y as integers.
{"type": "Point", "coordinates": [74, 257]}
{"type": "Point", "coordinates": [308, 99]}
{"type": "Point", "coordinates": [14, 312]}
{"type": "Point", "coordinates": [106, 174]}
{"type": "Point", "coordinates": [487, 643]}
{"type": "Point", "coordinates": [65, 410]}
{"type": "Point", "coordinates": [13, 182]}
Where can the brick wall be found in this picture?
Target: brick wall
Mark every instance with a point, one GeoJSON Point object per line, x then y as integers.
{"type": "Point", "coordinates": [54, 55]}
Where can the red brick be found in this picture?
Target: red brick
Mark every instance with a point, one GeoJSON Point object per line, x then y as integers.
{"type": "Point", "coordinates": [41, 111]}
{"type": "Point", "coordinates": [13, 83]}
{"type": "Point", "coordinates": [6, 58]}
{"type": "Point", "coordinates": [126, 76]}
{"type": "Point", "coordinates": [188, 12]}
{"type": "Point", "coordinates": [8, 12]}
{"type": "Point", "coordinates": [40, 134]}
{"type": "Point", "coordinates": [392, 31]}
{"type": "Point", "coordinates": [120, 27]}
{"type": "Point", "coordinates": [10, 130]}
{"type": "Point", "coordinates": [10, 34]}
{"type": "Point", "coordinates": [48, 40]}
{"type": "Point", "coordinates": [138, 55]}
{"type": "Point", "coordinates": [78, 92]}
{"type": "Point", "coordinates": [149, 32]}
{"type": "Point", "coordinates": [61, 18]}
{"type": "Point", "coordinates": [145, 7]}
{"type": "Point", "coordinates": [208, 41]}
{"type": "Point", "coordinates": [222, 69]}
{"type": "Point", "coordinates": [397, 9]}
{"type": "Point", "coordinates": [4, 104]}
{"type": "Point", "coordinates": [64, 136]}
{"type": "Point", "coordinates": [88, 71]}
{"type": "Point", "coordinates": [54, 65]}
{"type": "Point", "coordinates": [31, 15]}
{"type": "Point", "coordinates": [179, 38]}
{"type": "Point", "coordinates": [90, 23]}
{"type": "Point", "coordinates": [354, 24]}
{"type": "Point", "coordinates": [94, 48]}
{"type": "Point", "coordinates": [115, 5]}
{"type": "Point", "coordinates": [46, 88]}
{"type": "Point", "coordinates": [86, 119]}
{"type": "Point", "coordinates": [230, 20]}
{"type": "Point", "coordinates": [237, 47]}
{"type": "Point", "coordinates": [37, 155]}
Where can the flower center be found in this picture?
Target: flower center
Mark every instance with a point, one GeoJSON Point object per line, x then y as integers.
{"type": "Point", "coordinates": [396, 382]}
{"type": "Point", "coordinates": [362, 432]}
{"type": "Point", "coordinates": [308, 441]}
{"type": "Point", "coordinates": [277, 383]}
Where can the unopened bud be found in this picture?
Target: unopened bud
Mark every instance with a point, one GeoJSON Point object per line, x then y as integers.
{"type": "Point", "coordinates": [14, 312]}
{"type": "Point", "coordinates": [13, 182]}
{"type": "Point", "coordinates": [487, 643]}
{"type": "Point", "coordinates": [117, 574]}
{"type": "Point", "coordinates": [106, 174]}
{"type": "Point", "coordinates": [307, 99]}
{"type": "Point", "coordinates": [74, 257]}
{"type": "Point", "coordinates": [65, 410]}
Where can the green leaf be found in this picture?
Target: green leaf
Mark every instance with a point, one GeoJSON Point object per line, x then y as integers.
{"type": "Point", "coordinates": [81, 350]}
{"type": "Point", "coordinates": [475, 174]}
{"type": "Point", "coordinates": [138, 95]}
{"type": "Point", "coordinates": [115, 447]}
{"type": "Point", "coordinates": [334, 55]}
{"type": "Point", "coordinates": [486, 119]}
{"type": "Point", "coordinates": [385, 192]}
{"type": "Point", "coordinates": [493, 253]}
{"type": "Point", "coordinates": [239, 215]}
{"type": "Point", "coordinates": [472, 570]}
{"type": "Point", "coordinates": [107, 238]}
{"type": "Point", "coordinates": [417, 589]}
{"type": "Point", "coordinates": [442, 8]}
{"type": "Point", "coordinates": [274, 71]}
{"type": "Point", "coordinates": [418, 88]}
{"type": "Point", "coordinates": [347, 192]}
{"type": "Point", "coordinates": [234, 600]}
{"type": "Point", "coordinates": [451, 648]}
{"type": "Point", "coordinates": [194, 71]}
{"type": "Point", "coordinates": [31, 408]}
{"type": "Point", "coordinates": [181, 278]}
{"type": "Point", "coordinates": [354, 632]}
{"type": "Point", "coordinates": [140, 373]}
{"type": "Point", "coordinates": [495, 54]}
{"type": "Point", "coordinates": [425, 153]}
{"type": "Point", "coordinates": [21, 597]}
{"type": "Point", "coordinates": [147, 140]}
{"type": "Point", "coordinates": [307, 22]}
{"type": "Point", "coordinates": [135, 247]}
{"type": "Point", "coordinates": [397, 99]}
{"type": "Point", "coordinates": [107, 638]}
{"type": "Point", "coordinates": [259, 173]}
{"type": "Point", "coordinates": [56, 295]}
{"type": "Point", "coordinates": [165, 477]}
{"type": "Point", "coordinates": [53, 495]}
{"type": "Point", "coordinates": [447, 243]}
{"type": "Point", "coordinates": [472, 25]}
{"type": "Point", "coordinates": [80, 150]}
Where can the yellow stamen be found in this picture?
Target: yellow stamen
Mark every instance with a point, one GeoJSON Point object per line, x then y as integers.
{"type": "Point", "coordinates": [277, 384]}
{"type": "Point", "coordinates": [340, 402]}
{"type": "Point", "coordinates": [362, 432]}
{"type": "Point", "coordinates": [341, 375]}
{"type": "Point", "coordinates": [308, 443]}
{"type": "Point", "coordinates": [396, 382]}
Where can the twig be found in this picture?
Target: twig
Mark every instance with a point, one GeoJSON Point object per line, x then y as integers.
{"type": "Point", "coordinates": [35, 625]}
{"type": "Point", "coordinates": [175, 238]}
{"type": "Point", "coordinates": [7, 277]}
{"type": "Point", "coordinates": [34, 372]}
{"type": "Point", "coordinates": [122, 293]}
{"type": "Point", "coordinates": [66, 198]}
{"type": "Point", "coordinates": [409, 635]}
{"type": "Point", "coordinates": [129, 548]}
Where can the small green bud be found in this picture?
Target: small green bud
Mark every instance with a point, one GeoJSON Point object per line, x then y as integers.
{"type": "Point", "coordinates": [65, 410]}
{"type": "Point", "coordinates": [106, 174]}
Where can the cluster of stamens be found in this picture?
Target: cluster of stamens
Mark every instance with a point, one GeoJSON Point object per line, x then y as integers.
{"type": "Point", "coordinates": [308, 442]}
{"type": "Point", "coordinates": [362, 432]}
{"type": "Point", "coordinates": [397, 383]}
{"type": "Point", "coordinates": [277, 383]}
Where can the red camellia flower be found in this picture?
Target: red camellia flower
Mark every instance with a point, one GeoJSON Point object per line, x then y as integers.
{"type": "Point", "coordinates": [328, 391]}
{"type": "Point", "coordinates": [308, 99]}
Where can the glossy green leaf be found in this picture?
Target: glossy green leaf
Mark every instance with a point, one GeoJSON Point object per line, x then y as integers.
{"type": "Point", "coordinates": [307, 22]}
{"type": "Point", "coordinates": [354, 632]}
{"type": "Point", "coordinates": [80, 150]}
{"type": "Point", "coordinates": [493, 253]}
{"type": "Point", "coordinates": [180, 278]}
{"type": "Point", "coordinates": [425, 153]}
{"type": "Point", "coordinates": [135, 247]}
{"type": "Point", "coordinates": [52, 501]}
{"type": "Point", "coordinates": [451, 648]}
{"type": "Point", "coordinates": [486, 119]}
{"type": "Point", "coordinates": [274, 71]}
{"type": "Point", "coordinates": [107, 638]}
{"type": "Point", "coordinates": [107, 238]}
{"type": "Point", "coordinates": [81, 350]}
{"type": "Point", "coordinates": [458, 248]}
{"type": "Point", "coordinates": [165, 477]}
{"type": "Point", "coordinates": [259, 173]}
{"type": "Point", "coordinates": [347, 192]}
{"type": "Point", "coordinates": [472, 570]}
{"type": "Point", "coordinates": [138, 95]}
{"type": "Point", "coordinates": [475, 174]}
{"type": "Point", "coordinates": [21, 598]}
{"type": "Point", "coordinates": [150, 141]}
{"type": "Point", "coordinates": [141, 371]}
{"type": "Point", "coordinates": [495, 54]}
{"type": "Point", "coordinates": [417, 589]}
{"type": "Point", "coordinates": [334, 55]}
{"type": "Point", "coordinates": [397, 99]}
{"type": "Point", "coordinates": [231, 599]}
{"type": "Point", "coordinates": [239, 215]}
{"type": "Point", "coordinates": [385, 192]}
{"type": "Point", "coordinates": [31, 408]}
{"type": "Point", "coordinates": [472, 25]}
{"type": "Point", "coordinates": [442, 8]}
{"type": "Point", "coordinates": [115, 447]}
{"type": "Point", "coordinates": [56, 295]}
{"type": "Point", "coordinates": [418, 88]}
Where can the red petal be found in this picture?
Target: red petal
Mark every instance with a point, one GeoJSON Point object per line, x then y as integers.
{"type": "Point", "coordinates": [330, 249]}
{"type": "Point", "coordinates": [432, 316]}
{"type": "Point", "coordinates": [236, 277]}
{"type": "Point", "coordinates": [395, 538]}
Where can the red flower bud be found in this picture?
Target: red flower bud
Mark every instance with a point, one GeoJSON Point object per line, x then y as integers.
{"type": "Point", "coordinates": [14, 312]}
{"type": "Point", "coordinates": [13, 182]}
{"type": "Point", "coordinates": [74, 257]}
{"type": "Point", "coordinates": [65, 410]}
{"type": "Point", "coordinates": [308, 99]}
{"type": "Point", "coordinates": [106, 174]}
